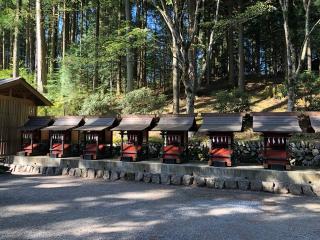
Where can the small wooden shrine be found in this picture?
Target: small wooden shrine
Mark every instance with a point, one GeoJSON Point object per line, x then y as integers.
{"type": "Point", "coordinates": [32, 141]}
{"type": "Point", "coordinates": [220, 128]}
{"type": "Point", "coordinates": [97, 137]}
{"type": "Point", "coordinates": [276, 128]}
{"type": "Point", "coordinates": [64, 140]}
{"type": "Point", "coordinates": [174, 130]}
{"type": "Point", "coordinates": [134, 132]}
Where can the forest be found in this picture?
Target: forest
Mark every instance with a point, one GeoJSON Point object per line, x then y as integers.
{"type": "Point", "coordinates": [150, 56]}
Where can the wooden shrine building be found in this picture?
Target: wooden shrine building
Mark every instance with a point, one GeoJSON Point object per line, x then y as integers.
{"type": "Point", "coordinates": [134, 131]}
{"type": "Point", "coordinates": [18, 101]}
{"type": "Point", "coordinates": [64, 140]}
{"type": "Point", "coordinates": [174, 130]}
{"type": "Point", "coordinates": [33, 140]}
{"type": "Point", "coordinates": [276, 128]}
{"type": "Point", "coordinates": [220, 128]}
{"type": "Point", "coordinates": [97, 137]}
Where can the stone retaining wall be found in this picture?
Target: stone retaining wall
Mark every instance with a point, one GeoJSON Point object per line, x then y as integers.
{"type": "Point", "coordinates": [174, 179]}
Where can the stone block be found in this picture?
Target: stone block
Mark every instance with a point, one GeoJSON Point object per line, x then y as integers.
{"type": "Point", "coordinates": [58, 171]}
{"type": "Point", "coordinates": [244, 184]}
{"type": "Point", "coordinates": [130, 176]}
{"type": "Point", "coordinates": [91, 173]}
{"type": "Point", "coordinates": [307, 190]}
{"type": "Point", "coordinates": [106, 175]}
{"type": "Point", "coordinates": [219, 183]}
{"type": "Point", "coordinates": [155, 178]}
{"type": "Point", "coordinates": [255, 185]}
{"type": "Point", "coordinates": [72, 172]}
{"type": "Point", "coordinates": [165, 179]}
{"type": "Point", "coordinates": [176, 179]}
{"type": "Point", "coordinates": [65, 171]}
{"type": "Point", "coordinates": [50, 171]}
{"type": "Point", "coordinates": [210, 182]}
{"type": "Point", "coordinates": [138, 177]}
{"type": "Point", "coordinates": [199, 181]}
{"type": "Point", "coordinates": [36, 170]}
{"type": "Point", "coordinates": [99, 173]}
{"type": "Point", "coordinates": [77, 172]}
{"type": "Point", "coordinates": [316, 189]}
{"type": "Point", "coordinates": [295, 189]}
{"type": "Point", "coordinates": [147, 177]}
{"type": "Point", "coordinates": [187, 180]}
{"type": "Point", "coordinates": [123, 175]}
{"type": "Point", "coordinates": [267, 186]}
{"type": "Point", "coordinates": [114, 176]}
{"type": "Point", "coordinates": [12, 167]}
{"type": "Point", "coordinates": [43, 170]}
{"type": "Point", "coordinates": [281, 188]}
{"type": "Point", "coordinates": [230, 184]}
{"type": "Point", "coordinates": [84, 172]}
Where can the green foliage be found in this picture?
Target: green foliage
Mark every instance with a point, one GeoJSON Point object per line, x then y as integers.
{"type": "Point", "coordinates": [143, 101]}
{"type": "Point", "coordinates": [99, 104]}
{"type": "Point", "coordinates": [308, 88]}
{"type": "Point", "coordinates": [232, 101]}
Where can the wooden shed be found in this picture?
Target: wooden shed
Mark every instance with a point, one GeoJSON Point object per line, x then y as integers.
{"type": "Point", "coordinates": [18, 101]}
{"type": "Point", "coordinates": [174, 130]}
{"type": "Point", "coordinates": [276, 128]}
{"type": "Point", "coordinates": [220, 128]}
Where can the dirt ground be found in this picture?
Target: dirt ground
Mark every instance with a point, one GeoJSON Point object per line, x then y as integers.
{"type": "Point", "coordinates": [39, 207]}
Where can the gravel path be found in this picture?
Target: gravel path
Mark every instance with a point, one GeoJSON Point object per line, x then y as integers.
{"type": "Point", "coordinates": [38, 207]}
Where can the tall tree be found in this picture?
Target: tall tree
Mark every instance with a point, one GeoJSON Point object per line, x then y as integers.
{"type": "Point", "coordinates": [130, 55]}
{"type": "Point", "coordinates": [241, 83]}
{"type": "Point", "coordinates": [183, 26]}
{"type": "Point", "coordinates": [40, 50]}
{"type": "Point", "coordinates": [16, 45]}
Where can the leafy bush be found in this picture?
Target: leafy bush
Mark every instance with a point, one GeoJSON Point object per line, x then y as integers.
{"type": "Point", "coordinates": [143, 101]}
{"type": "Point", "coordinates": [232, 101]}
{"type": "Point", "coordinates": [99, 104]}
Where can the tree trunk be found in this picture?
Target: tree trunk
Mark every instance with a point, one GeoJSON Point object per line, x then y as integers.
{"type": "Point", "coordinates": [307, 45]}
{"type": "Point", "coordinates": [96, 64]}
{"type": "Point", "coordinates": [241, 59]}
{"type": "Point", "coordinates": [3, 50]}
{"type": "Point", "coordinates": [41, 62]}
{"type": "Point", "coordinates": [130, 55]}
{"type": "Point", "coordinates": [16, 45]}
{"type": "Point", "coordinates": [230, 57]}
{"type": "Point", "coordinates": [175, 79]}
{"type": "Point", "coordinates": [65, 33]}
{"type": "Point", "coordinates": [289, 55]}
{"type": "Point", "coordinates": [54, 38]}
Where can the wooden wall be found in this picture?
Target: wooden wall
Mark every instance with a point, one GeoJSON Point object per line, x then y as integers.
{"type": "Point", "coordinates": [14, 113]}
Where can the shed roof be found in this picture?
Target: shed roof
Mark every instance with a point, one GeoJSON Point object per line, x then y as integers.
{"type": "Point", "coordinates": [176, 122]}
{"type": "Point", "coordinates": [36, 123]}
{"type": "Point", "coordinates": [65, 123]}
{"type": "Point", "coordinates": [135, 123]}
{"type": "Point", "coordinates": [276, 122]}
{"type": "Point", "coordinates": [314, 120]}
{"type": "Point", "coordinates": [19, 88]}
{"type": "Point", "coordinates": [219, 122]}
{"type": "Point", "coordinates": [97, 123]}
